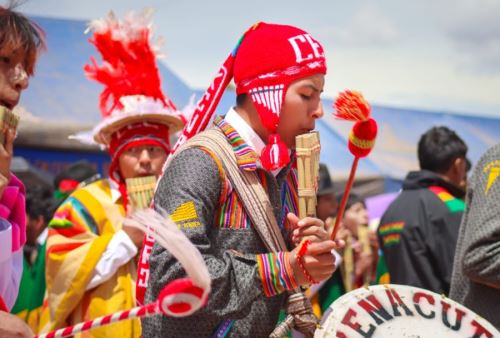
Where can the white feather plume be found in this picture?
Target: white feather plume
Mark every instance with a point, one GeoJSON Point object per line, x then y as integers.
{"type": "Point", "coordinates": [158, 225]}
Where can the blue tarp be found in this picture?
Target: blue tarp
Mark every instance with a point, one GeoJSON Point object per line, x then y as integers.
{"type": "Point", "coordinates": [400, 130]}
{"type": "Point", "coordinates": [60, 91]}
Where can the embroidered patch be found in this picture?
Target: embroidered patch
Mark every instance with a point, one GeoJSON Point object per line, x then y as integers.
{"type": "Point", "coordinates": [493, 170]}
{"type": "Point", "coordinates": [185, 216]}
{"type": "Point", "coordinates": [391, 233]}
{"type": "Point", "coordinates": [452, 203]}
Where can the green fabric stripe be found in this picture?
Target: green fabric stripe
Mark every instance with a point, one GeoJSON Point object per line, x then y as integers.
{"type": "Point", "coordinates": [453, 205]}
{"type": "Point", "coordinates": [32, 288]}
{"type": "Point", "coordinates": [389, 231]}
{"type": "Point", "coordinates": [272, 267]}
{"type": "Point", "coordinates": [382, 268]}
{"type": "Point", "coordinates": [456, 205]}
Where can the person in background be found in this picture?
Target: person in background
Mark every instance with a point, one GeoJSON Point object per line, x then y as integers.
{"type": "Point", "coordinates": [327, 203]}
{"type": "Point", "coordinates": [475, 280]}
{"type": "Point", "coordinates": [40, 207]}
{"type": "Point", "coordinates": [39, 210]}
{"type": "Point", "coordinates": [326, 210]}
{"type": "Point", "coordinates": [360, 253]}
{"type": "Point", "coordinates": [74, 176]}
{"type": "Point", "coordinates": [21, 41]}
{"type": "Point", "coordinates": [419, 230]}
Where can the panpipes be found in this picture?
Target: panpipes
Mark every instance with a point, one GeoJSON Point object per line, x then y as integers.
{"type": "Point", "coordinates": [349, 261]}
{"type": "Point", "coordinates": [140, 191]}
{"type": "Point", "coordinates": [308, 149]}
{"type": "Point", "coordinates": [364, 239]}
{"type": "Point", "coordinates": [347, 268]}
{"type": "Point", "coordinates": [8, 120]}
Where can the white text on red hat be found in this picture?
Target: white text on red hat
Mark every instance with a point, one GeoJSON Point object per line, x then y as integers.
{"type": "Point", "coordinates": [299, 44]}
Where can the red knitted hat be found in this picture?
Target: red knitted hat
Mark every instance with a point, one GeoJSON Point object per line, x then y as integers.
{"type": "Point", "coordinates": [267, 59]}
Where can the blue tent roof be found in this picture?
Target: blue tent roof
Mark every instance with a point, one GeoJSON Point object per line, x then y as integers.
{"type": "Point", "coordinates": [400, 129]}
{"type": "Point", "coordinates": [60, 93]}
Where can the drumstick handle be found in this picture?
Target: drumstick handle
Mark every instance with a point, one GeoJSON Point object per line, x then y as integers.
{"type": "Point", "coordinates": [343, 203]}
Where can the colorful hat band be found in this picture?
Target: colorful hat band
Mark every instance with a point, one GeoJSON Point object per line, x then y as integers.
{"type": "Point", "coordinates": [139, 134]}
{"type": "Point", "coordinates": [139, 129]}
{"type": "Point", "coordinates": [289, 75]}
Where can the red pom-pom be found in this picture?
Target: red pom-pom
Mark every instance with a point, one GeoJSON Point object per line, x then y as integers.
{"type": "Point", "coordinates": [351, 106]}
{"type": "Point", "coordinates": [275, 154]}
{"type": "Point", "coordinates": [362, 137]}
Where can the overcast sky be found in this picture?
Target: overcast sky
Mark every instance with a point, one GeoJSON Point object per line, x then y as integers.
{"type": "Point", "coordinates": [442, 55]}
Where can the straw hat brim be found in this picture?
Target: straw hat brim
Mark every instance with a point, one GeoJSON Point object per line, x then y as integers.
{"type": "Point", "coordinates": [103, 131]}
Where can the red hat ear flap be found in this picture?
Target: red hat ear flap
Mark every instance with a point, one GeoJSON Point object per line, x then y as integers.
{"type": "Point", "coordinates": [275, 154]}
{"type": "Point", "coordinates": [268, 101]}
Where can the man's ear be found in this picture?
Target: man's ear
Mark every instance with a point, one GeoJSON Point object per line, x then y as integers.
{"type": "Point", "coordinates": [458, 170]}
{"type": "Point", "coordinates": [460, 166]}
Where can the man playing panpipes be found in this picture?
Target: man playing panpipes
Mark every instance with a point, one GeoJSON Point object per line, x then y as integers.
{"type": "Point", "coordinates": [279, 74]}
{"type": "Point", "coordinates": [91, 269]}
{"type": "Point", "coordinates": [475, 280]}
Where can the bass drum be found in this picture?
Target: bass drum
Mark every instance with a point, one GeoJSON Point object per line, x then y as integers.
{"type": "Point", "coordinates": [384, 311]}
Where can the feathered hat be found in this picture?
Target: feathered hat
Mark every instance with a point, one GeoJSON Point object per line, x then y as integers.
{"type": "Point", "coordinates": [134, 109]}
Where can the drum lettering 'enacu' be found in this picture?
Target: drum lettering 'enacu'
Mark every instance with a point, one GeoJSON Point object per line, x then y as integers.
{"type": "Point", "coordinates": [401, 311]}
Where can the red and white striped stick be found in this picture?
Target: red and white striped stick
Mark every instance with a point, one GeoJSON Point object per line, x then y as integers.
{"type": "Point", "coordinates": [136, 312]}
{"type": "Point", "coordinates": [179, 298]}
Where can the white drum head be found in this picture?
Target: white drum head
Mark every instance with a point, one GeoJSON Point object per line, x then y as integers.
{"type": "Point", "coordinates": [385, 311]}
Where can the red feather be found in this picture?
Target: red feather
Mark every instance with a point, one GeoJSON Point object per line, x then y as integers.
{"type": "Point", "coordinates": [129, 64]}
{"type": "Point", "coordinates": [351, 106]}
